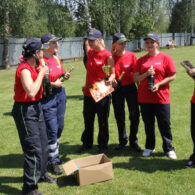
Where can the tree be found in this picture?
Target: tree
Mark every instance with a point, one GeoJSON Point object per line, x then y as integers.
{"type": "Point", "coordinates": [59, 19]}
{"type": "Point", "coordinates": [180, 19]}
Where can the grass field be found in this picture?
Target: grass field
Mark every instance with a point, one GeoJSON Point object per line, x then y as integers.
{"type": "Point", "coordinates": [133, 174]}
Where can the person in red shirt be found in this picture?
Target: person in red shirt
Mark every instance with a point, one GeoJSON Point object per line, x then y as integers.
{"type": "Point", "coordinates": [54, 103]}
{"type": "Point", "coordinates": [98, 56]}
{"type": "Point", "coordinates": [125, 62]}
{"type": "Point", "coordinates": [191, 161]}
{"type": "Point", "coordinates": [28, 116]}
{"type": "Point", "coordinates": [154, 72]}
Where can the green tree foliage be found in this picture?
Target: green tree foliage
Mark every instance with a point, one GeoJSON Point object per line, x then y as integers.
{"type": "Point", "coordinates": [59, 19]}
{"type": "Point", "coordinates": [180, 19]}
{"type": "Point", "coordinates": [32, 18]}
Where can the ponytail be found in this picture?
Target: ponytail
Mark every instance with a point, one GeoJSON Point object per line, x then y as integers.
{"type": "Point", "coordinates": [113, 48]}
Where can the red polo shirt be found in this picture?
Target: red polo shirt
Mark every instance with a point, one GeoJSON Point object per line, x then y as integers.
{"type": "Point", "coordinates": [55, 68]}
{"type": "Point", "coordinates": [20, 93]}
{"type": "Point", "coordinates": [125, 63]}
{"type": "Point", "coordinates": [163, 65]}
{"type": "Point", "coordinates": [193, 97]}
{"type": "Point", "coordinates": [95, 61]}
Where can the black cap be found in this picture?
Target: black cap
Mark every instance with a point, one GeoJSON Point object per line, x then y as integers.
{"type": "Point", "coordinates": [32, 45]}
{"type": "Point", "coordinates": [119, 37]}
{"type": "Point", "coordinates": [94, 34]}
{"type": "Point", "coordinates": [152, 36]}
{"type": "Point", "coordinates": [49, 38]}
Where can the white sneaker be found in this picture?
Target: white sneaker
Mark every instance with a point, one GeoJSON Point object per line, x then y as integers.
{"type": "Point", "coordinates": [147, 152]}
{"type": "Point", "coordinates": [171, 154]}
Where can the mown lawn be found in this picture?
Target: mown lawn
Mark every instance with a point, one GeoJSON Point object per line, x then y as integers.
{"type": "Point", "coordinates": [133, 174]}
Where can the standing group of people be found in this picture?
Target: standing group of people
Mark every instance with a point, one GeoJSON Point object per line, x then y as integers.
{"type": "Point", "coordinates": [154, 102]}
{"type": "Point", "coordinates": [39, 116]}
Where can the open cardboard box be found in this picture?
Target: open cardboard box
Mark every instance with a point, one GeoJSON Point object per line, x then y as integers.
{"type": "Point", "coordinates": [91, 169]}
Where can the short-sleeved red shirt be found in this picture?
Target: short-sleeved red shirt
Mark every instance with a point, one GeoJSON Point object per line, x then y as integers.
{"type": "Point", "coordinates": [55, 68]}
{"type": "Point", "coordinates": [125, 63]}
{"type": "Point", "coordinates": [163, 65]}
{"type": "Point", "coordinates": [20, 93]}
{"type": "Point", "coordinates": [193, 97]}
{"type": "Point", "coordinates": [95, 61]}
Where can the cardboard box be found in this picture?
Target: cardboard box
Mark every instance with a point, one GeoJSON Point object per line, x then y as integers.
{"type": "Point", "coordinates": [91, 169]}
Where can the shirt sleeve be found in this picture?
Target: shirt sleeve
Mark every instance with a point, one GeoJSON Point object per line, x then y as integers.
{"type": "Point", "coordinates": [138, 65]}
{"type": "Point", "coordinates": [169, 65]}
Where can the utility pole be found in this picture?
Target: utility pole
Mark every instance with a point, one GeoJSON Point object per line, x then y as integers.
{"type": "Point", "coordinates": [192, 21]}
{"type": "Point", "coordinates": [5, 38]}
{"type": "Point", "coordinates": [119, 17]}
{"type": "Point", "coordinates": [87, 14]}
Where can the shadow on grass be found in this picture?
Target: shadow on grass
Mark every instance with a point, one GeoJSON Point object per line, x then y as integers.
{"type": "Point", "coordinates": [5, 189]}
{"type": "Point", "coordinates": [152, 164]}
{"type": "Point", "coordinates": [67, 181]}
{"type": "Point", "coordinates": [11, 161]}
{"type": "Point", "coordinates": [76, 97]}
{"type": "Point", "coordinates": [7, 114]}
{"type": "Point", "coordinates": [66, 148]}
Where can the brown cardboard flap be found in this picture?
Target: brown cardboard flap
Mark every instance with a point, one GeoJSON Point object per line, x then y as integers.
{"type": "Point", "coordinates": [70, 167]}
{"type": "Point", "coordinates": [97, 173]}
{"type": "Point", "coordinates": [89, 160]}
{"type": "Point", "coordinates": [85, 162]}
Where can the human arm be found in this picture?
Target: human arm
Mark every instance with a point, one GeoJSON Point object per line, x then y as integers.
{"type": "Point", "coordinates": [32, 87]}
{"type": "Point", "coordinates": [165, 81]}
{"type": "Point", "coordinates": [191, 72]}
{"type": "Point", "coordinates": [112, 71]}
{"type": "Point", "coordinates": [87, 47]}
{"type": "Point", "coordinates": [140, 77]}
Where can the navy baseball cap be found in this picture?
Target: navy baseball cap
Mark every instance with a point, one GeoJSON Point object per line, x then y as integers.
{"type": "Point", "coordinates": [32, 45]}
{"type": "Point", "coordinates": [94, 34]}
{"type": "Point", "coordinates": [49, 38]}
{"type": "Point", "coordinates": [119, 37]}
{"type": "Point", "coordinates": [152, 36]}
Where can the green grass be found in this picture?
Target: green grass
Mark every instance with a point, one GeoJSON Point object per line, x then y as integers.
{"type": "Point", "coordinates": [133, 174]}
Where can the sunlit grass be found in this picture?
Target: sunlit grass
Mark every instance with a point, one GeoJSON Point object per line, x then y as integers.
{"type": "Point", "coordinates": [133, 173]}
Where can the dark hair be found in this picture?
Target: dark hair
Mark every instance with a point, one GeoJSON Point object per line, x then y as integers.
{"type": "Point", "coordinates": [28, 54]}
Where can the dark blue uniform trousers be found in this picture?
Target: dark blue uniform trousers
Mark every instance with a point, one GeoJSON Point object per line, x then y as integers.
{"type": "Point", "coordinates": [192, 157]}
{"type": "Point", "coordinates": [90, 108]}
{"type": "Point", "coordinates": [162, 113]}
{"type": "Point", "coordinates": [128, 93]}
{"type": "Point", "coordinates": [33, 137]}
{"type": "Point", "coordinates": [54, 110]}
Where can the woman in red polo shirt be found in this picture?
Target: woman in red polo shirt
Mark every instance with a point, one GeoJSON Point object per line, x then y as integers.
{"type": "Point", "coordinates": [125, 62]}
{"type": "Point", "coordinates": [98, 56]}
{"type": "Point", "coordinates": [28, 116]}
{"type": "Point", "coordinates": [54, 104]}
{"type": "Point", "coordinates": [154, 72]}
{"type": "Point", "coordinates": [191, 161]}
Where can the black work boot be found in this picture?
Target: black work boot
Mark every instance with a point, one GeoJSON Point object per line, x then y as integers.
{"type": "Point", "coordinates": [54, 168]}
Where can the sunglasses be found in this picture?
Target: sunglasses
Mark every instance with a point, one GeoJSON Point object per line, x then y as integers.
{"type": "Point", "coordinates": [150, 42]}
{"type": "Point", "coordinates": [123, 43]}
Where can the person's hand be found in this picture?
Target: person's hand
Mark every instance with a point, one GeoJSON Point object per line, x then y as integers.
{"type": "Point", "coordinates": [44, 70]}
{"type": "Point", "coordinates": [150, 71]}
{"type": "Point", "coordinates": [67, 75]}
{"type": "Point", "coordinates": [108, 82]}
{"type": "Point", "coordinates": [191, 72]}
{"type": "Point", "coordinates": [58, 83]}
{"type": "Point", "coordinates": [114, 83]}
{"type": "Point", "coordinates": [155, 87]}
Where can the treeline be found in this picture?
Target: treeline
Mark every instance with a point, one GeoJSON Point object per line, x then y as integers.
{"type": "Point", "coordinates": [72, 18]}
{"type": "Point", "coordinates": [69, 18]}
